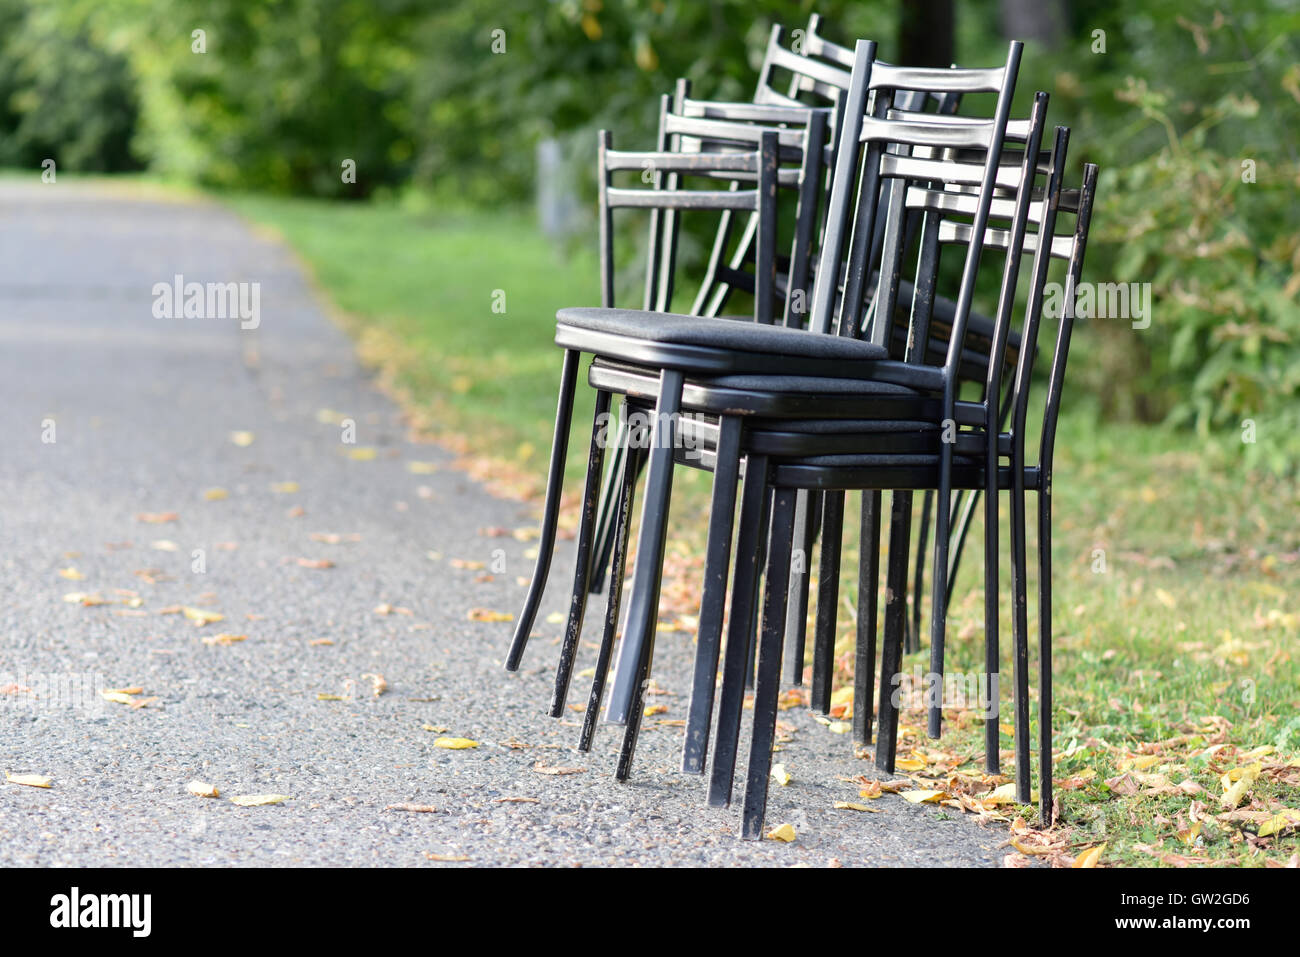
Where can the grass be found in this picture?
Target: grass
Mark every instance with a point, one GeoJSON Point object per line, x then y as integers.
{"type": "Point", "coordinates": [1176, 574]}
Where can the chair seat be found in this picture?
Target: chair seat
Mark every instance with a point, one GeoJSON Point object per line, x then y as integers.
{"type": "Point", "coordinates": [667, 327]}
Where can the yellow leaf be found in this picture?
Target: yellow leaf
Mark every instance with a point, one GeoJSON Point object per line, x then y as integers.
{"type": "Point", "coordinates": [1005, 794]}
{"type": "Point", "coordinates": [555, 618]}
{"type": "Point", "coordinates": [257, 800]}
{"type": "Point", "coordinates": [1235, 793]}
{"type": "Point", "coordinates": [118, 697]}
{"type": "Point", "coordinates": [851, 806]}
{"type": "Point", "coordinates": [216, 494]}
{"type": "Point", "coordinates": [224, 638]}
{"type": "Point", "coordinates": [330, 697]}
{"type": "Point", "coordinates": [909, 764]}
{"type": "Point", "coordinates": [455, 744]}
{"type": "Point", "coordinates": [242, 439]}
{"type": "Point", "coordinates": [871, 790]}
{"type": "Point", "coordinates": [362, 454]}
{"type": "Point", "coordinates": [201, 617]}
{"type": "Point", "coordinates": [653, 709]}
{"type": "Point", "coordinates": [84, 599]}
{"type": "Point", "coordinates": [785, 833]}
{"type": "Point", "coordinates": [202, 789]}
{"type": "Point", "coordinates": [922, 797]}
{"type": "Point", "coordinates": [1279, 822]}
{"type": "Point", "coordinates": [284, 488]}
{"type": "Point", "coordinates": [71, 574]}
{"type": "Point", "coordinates": [839, 727]}
{"type": "Point", "coordinates": [485, 614]}
{"type": "Point", "coordinates": [422, 468]}
{"type": "Point", "coordinates": [1090, 857]}
{"type": "Point", "coordinates": [31, 780]}
{"type": "Point", "coordinates": [436, 729]}
{"type": "Point", "coordinates": [781, 775]}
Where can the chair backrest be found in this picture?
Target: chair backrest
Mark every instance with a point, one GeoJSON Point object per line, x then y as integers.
{"type": "Point", "coordinates": [865, 141]}
{"type": "Point", "coordinates": [666, 171]}
{"type": "Point", "coordinates": [708, 126]}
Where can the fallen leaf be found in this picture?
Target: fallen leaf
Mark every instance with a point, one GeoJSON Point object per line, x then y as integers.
{"type": "Point", "coordinates": [224, 638]}
{"type": "Point", "coordinates": [923, 796]}
{"type": "Point", "coordinates": [257, 800]}
{"type": "Point", "coordinates": [653, 709]}
{"type": "Point", "coordinates": [362, 454]}
{"type": "Point", "coordinates": [543, 769]}
{"type": "Point", "coordinates": [330, 697]}
{"type": "Point", "coordinates": [71, 574]}
{"type": "Point", "coordinates": [202, 789]}
{"type": "Point", "coordinates": [216, 494]}
{"type": "Point", "coordinates": [31, 780]}
{"type": "Point", "coordinates": [422, 468]}
{"type": "Point", "coordinates": [201, 617]}
{"type": "Point", "coordinates": [157, 518]}
{"type": "Point", "coordinates": [315, 563]}
{"type": "Point", "coordinates": [517, 800]}
{"type": "Point", "coordinates": [377, 684]}
{"type": "Point", "coordinates": [1090, 857]}
{"type": "Point", "coordinates": [447, 858]}
{"type": "Point", "coordinates": [852, 806]}
{"type": "Point", "coordinates": [455, 744]}
{"type": "Point", "coordinates": [318, 642]}
{"type": "Point", "coordinates": [85, 600]}
{"type": "Point", "coordinates": [781, 775]}
{"type": "Point", "coordinates": [164, 545]}
{"type": "Point", "coordinates": [413, 808]}
{"type": "Point", "coordinates": [485, 614]}
{"type": "Point", "coordinates": [785, 833]}
{"type": "Point", "coordinates": [242, 439]}
{"type": "Point", "coordinates": [284, 488]}
{"type": "Point", "coordinates": [909, 764]}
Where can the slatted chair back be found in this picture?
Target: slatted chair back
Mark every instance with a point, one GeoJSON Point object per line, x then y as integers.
{"type": "Point", "coordinates": [668, 191]}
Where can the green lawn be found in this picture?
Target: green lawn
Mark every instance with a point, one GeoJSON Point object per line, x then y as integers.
{"type": "Point", "coordinates": [1174, 661]}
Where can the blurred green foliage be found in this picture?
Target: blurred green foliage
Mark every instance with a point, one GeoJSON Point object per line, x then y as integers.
{"type": "Point", "coordinates": [446, 101]}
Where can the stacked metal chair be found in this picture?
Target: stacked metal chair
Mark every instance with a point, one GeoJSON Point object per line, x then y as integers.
{"type": "Point", "coordinates": [817, 411]}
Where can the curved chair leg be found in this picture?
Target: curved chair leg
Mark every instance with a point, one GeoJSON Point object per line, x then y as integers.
{"type": "Point", "coordinates": [891, 656]}
{"type": "Point", "coordinates": [643, 606]}
{"type": "Point", "coordinates": [767, 691]}
{"type": "Point", "coordinates": [918, 576]}
{"type": "Point", "coordinates": [864, 670]}
{"type": "Point", "coordinates": [740, 626]}
{"type": "Point", "coordinates": [828, 599]}
{"type": "Point", "coordinates": [717, 562]}
{"type": "Point", "coordinates": [622, 526]}
{"type": "Point", "coordinates": [1045, 654]}
{"type": "Point", "coordinates": [583, 558]}
{"type": "Point", "coordinates": [607, 510]}
{"type": "Point", "coordinates": [550, 510]}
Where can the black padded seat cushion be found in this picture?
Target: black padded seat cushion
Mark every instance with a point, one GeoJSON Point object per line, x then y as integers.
{"type": "Point", "coordinates": [728, 334]}
{"type": "Point", "coordinates": [842, 426]}
{"type": "Point", "coordinates": [807, 383]}
{"type": "Point", "coordinates": [877, 460]}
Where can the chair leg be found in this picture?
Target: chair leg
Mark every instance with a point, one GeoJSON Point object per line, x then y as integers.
{"type": "Point", "coordinates": [550, 510]}
{"type": "Point", "coordinates": [767, 692]}
{"type": "Point", "coordinates": [607, 510]}
{"type": "Point", "coordinates": [1045, 654]}
{"type": "Point", "coordinates": [918, 576]}
{"type": "Point", "coordinates": [643, 606]}
{"type": "Point", "coordinates": [583, 560]}
{"type": "Point", "coordinates": [864, 671]}
{"type": "Point", "coordinates": [891, 656]}
{"type": "Point", "coordinates": [828, 599]}
{"type": "Point", "coordinates": [939, 590]}
{"type": "Point", "coordinates": [622, 527]}
{"type": "Point", "coordinates": [967, 505]}
{"type": "Point", "coordinates": [744, 590]}
{"type": "Point", "coordinates": [992, 651]}
{"type": "Point", "coordinates": [1020, 639]}
{"type": "Point", "coordinates": [796, 621]}
{"type": "Point", "coordinates": [717, 562]}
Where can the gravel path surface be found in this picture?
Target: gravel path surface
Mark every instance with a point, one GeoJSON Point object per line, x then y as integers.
{"type": "Point", "coordinates": [142, 411]}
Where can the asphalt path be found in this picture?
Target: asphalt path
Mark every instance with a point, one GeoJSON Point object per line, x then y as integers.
{"type": "Point", "coordinates": [111, 412]}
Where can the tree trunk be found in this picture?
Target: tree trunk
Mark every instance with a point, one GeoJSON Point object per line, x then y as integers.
{"type": "Point", "coordinates": [925, 29]}
{"type": "Point", "coordinates": [1041, 20]}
